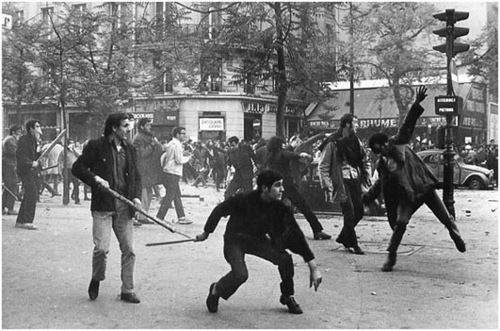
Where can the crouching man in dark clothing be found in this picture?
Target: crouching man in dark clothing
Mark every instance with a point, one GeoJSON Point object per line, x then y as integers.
{"type": "Point", "coordinates": [406, 182]}
{"type": "Point", "coordinates": [260, 225]}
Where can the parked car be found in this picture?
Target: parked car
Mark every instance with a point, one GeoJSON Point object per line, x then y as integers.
{"type": "Point", "coordinates": [310, 189]}
{"type": "Point", "coordinates": [464, 174]}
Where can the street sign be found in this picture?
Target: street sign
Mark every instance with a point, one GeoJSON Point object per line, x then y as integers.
{"type": "Point", "coordinates": [448, 105]}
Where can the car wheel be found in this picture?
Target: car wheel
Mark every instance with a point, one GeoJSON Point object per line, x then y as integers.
{"type": "Point", "coordinates": [475, 183]}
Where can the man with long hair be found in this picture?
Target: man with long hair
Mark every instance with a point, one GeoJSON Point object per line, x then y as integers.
{"type": "Point", "coordinates": [343, 168]}
{"type": "Point", "coordinates": [111, 162]}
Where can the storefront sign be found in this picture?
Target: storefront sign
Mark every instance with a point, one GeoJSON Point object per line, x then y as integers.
{"type": "Point", "coordinates": [211, 124]}
{"type": "Point", "coordinates": [143, 115]}
{"type": "Point", "coordinates": [254, 107]}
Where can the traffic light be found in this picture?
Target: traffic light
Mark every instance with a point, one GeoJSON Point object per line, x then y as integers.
{"type": "Point", "coordinates": [451, 32]}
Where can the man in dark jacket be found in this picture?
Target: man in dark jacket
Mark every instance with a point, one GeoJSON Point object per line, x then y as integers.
{"type": "Point", "coordinates": [149, 152]}
{"type": "Point", "coordinates": [110, 162]}
{"type": "Point", "coordinates": [9, 176]}
{"type": "Point", "coordinates": [260, 225]}
{"type": "Point", "coordinates": [240, 156]}
{"type": "Point", "coordinates": [27, 169]}
{"type": "Point", "coordinates": [279, 160]}
{"type": "Point", "coordinates": [406, 182]}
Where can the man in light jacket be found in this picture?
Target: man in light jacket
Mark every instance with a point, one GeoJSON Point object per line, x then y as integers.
{"type": "Point", "coordinates": [172, 162]}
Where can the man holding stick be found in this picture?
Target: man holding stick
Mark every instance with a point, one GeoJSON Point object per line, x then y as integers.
{"type": "Point", "coordinates": [260, 225]}
{"type": "Point", "coordinates": [27, 168]}
{"type": "Point", "coordinates": [110, 162]}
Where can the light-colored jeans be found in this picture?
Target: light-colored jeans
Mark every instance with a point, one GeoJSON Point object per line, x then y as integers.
{"type": "Point", "coordinates": [122, 226]}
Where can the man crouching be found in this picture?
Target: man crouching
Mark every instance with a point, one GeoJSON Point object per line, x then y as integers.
{"type": "Point", "coordinates": [260, 225]}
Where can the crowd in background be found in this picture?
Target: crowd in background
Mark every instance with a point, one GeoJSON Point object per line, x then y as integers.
{"type": "Point", "coordinates": [209, 161]}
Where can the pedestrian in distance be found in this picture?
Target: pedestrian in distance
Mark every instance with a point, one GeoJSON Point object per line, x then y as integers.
{"type": "Point", "coordinates": [9, 164]}
{"type": "Point", "coordinates": [343, 168]}
{"type": "Point", "coordinates": [110, 162]}
{"type": "Point", "coordinates": [71, 155]}
{"type": "Point", "coordinates": [172, 162]}
{"type": "Point", "coordinates": [406, 182]}
{"type": "Point", "coordinates": [28, 169]}
{"type": "Point", "coordinates": [259, 224]}
{"type": "Point", "coordinates": [149, 152]}
{"type": "Point", "coordinates": [279, 159]}
{"type": "Point", "coordinates": [240, 156]}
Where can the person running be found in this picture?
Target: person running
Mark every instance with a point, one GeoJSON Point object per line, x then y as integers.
{"type": "Point", "coordinates": [260, 225]}
{"type": "Point", "coordinates": [406, 182]}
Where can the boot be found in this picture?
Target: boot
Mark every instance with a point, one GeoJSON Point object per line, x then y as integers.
{"type": "Point", "coordinates": [455, 235]}
{"type": "Point", "coordinates": [391, 261]}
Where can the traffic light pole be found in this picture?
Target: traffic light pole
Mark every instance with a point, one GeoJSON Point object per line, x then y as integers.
{"type": "Point", "coordinates": [451, 48]}
{"type": "Point", "coordinates": [449, 153]}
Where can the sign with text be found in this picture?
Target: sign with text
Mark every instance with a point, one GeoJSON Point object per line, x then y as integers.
{"type": "Point", "coordinates": [211, 124]}
{"type": "Point", "coordinates": [447, 105]}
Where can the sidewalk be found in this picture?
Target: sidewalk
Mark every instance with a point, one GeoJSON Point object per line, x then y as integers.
{"type": "Point", "coordinates": [433, 286]}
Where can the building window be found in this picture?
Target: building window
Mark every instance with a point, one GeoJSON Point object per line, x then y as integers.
{"type": "Point", "coordinates": [210, 22]}
{"type": "Point", "coordinates": [18, 17]}
{"type": "Point", "coordinates": [47, 12]}
{"type": "Point", "coordinates": [80, 7]}
{"type": "Point", "coordinates": [211, 74]}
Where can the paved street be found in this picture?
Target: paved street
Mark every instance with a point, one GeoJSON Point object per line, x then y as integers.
{"type": "Point", "coordinates": [46, 274]}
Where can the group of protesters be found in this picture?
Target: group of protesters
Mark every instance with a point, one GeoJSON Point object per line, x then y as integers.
{"type": "Point", "coordinates": [261, 181]}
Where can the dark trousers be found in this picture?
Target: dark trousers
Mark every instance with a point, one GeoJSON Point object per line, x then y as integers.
{"type": "Point", "coordinates": [235, 248]}
{"type": "Point", "coordinates": [352, 211]}
{"type": "Point", "coordinates": [10, 180]}
{"type": "Point", "coordinates": [75, 195]}
{"type": "Point", "coordinates": [400, 210]}
{"type": "Point", "coordinates": [242, 180]}
{"type": "Point", "coordinates": [218, 173]}
{"type": "Point", "coordinates": [27, 209]}
{"type": "Point", "coordinates": [292, 194]}
{"type": "Point", "coordinates": [172, 193]}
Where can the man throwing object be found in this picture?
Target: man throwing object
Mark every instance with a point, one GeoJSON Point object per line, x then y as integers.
{"type": "Point", "coordinates": [406, 182]}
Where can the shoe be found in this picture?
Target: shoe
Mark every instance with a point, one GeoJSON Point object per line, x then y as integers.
{"type": "Point", "coordinates": [457, 239]}
{"type": "Point", "coordinates": [184, 221]}
{"type": "Point", "coordinates": [358, 251]}
{"type": "Point", "coordinates": [391, 261]}
{"type": "Point", "coordinates": [27, 226]}
{"type": "Point", "coordinates": [136, 223]}
{"type": "Point", "coordinates": [212, 299]}
{"type": "Point", "coordinates": [11, 212]}
{"type": "Point", "coordinates": [343, 242]}
{"type": "Point", "coordinates": [289, 301]}
{"type": "Point", "coordinates": [321, 236]}
{"type": "Point", "coordinates": [146, 221]}
{"type": "Point", "coordinates": [86, 198]}
{"type": "Point", "coordinates": [93, 289]}
{"type": "Point", "coordinates": [130, 297]}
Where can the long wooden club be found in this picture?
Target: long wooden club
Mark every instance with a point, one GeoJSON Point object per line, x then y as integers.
{"type": "Point", "coordinates": [171, 242]}
{"type": "Point", "coordinates": [143, 212]}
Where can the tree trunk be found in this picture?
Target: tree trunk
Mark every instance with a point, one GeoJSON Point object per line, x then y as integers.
{"type": "Point", "coordinates": [281, 77]}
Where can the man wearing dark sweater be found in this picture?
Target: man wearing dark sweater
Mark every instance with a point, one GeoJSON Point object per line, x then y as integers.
{"type": "Point", "coordinates": [260, 225]}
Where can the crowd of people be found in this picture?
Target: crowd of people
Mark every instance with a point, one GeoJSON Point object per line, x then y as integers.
{"type": "Point", "coordinates": [261, 182]}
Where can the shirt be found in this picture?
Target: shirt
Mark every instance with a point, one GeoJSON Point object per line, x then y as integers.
{"type": "Point", "coordinates": [172, 160]}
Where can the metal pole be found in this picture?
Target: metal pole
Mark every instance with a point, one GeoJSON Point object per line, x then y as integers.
{"type": "Point", "coordinates": [449, 153]}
